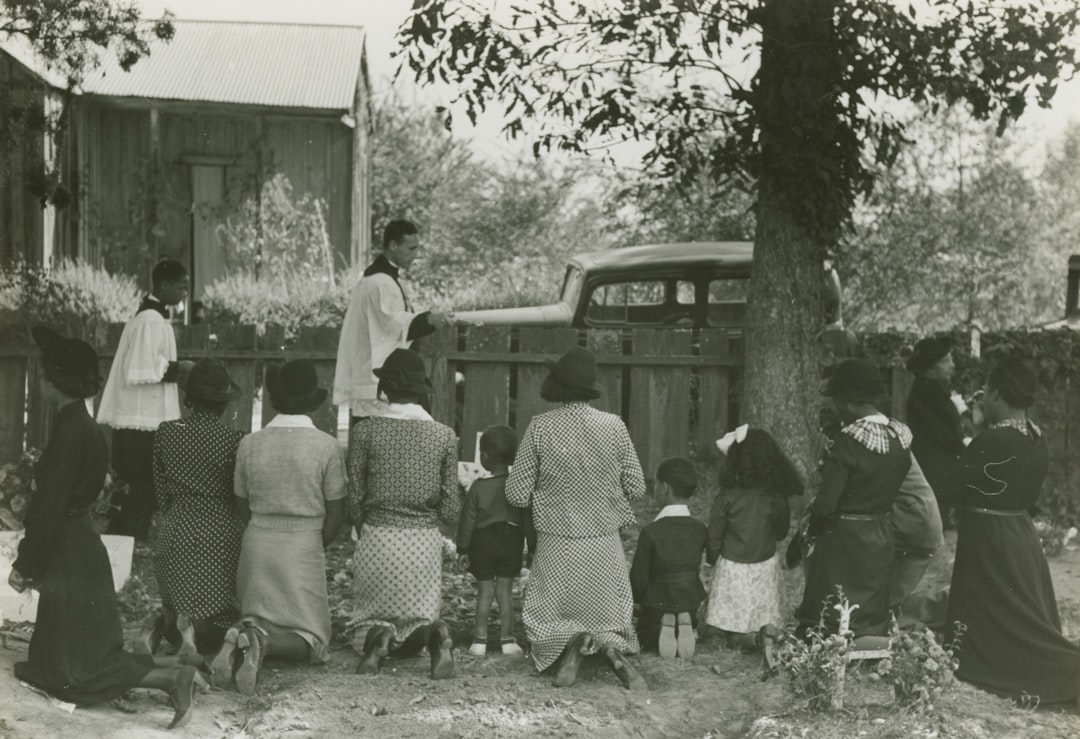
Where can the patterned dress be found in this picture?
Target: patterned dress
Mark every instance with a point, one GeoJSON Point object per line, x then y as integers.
{"type": "Point", "coordinates": [402, 482]}
{"type": "Point", "coordinates": [577, 469]}
{"type": "Point", "coordinates": [198, 544]}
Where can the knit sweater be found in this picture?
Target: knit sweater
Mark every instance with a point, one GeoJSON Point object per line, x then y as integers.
{"type": "Point", "coordinates": [287, 472]}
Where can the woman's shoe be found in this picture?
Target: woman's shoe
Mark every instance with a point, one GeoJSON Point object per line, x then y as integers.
{"type": "Point", "coordinates": [187, 634]}
{"type": "Point", "coordinates": [247, 675]}
{"type": "Point", "coordinates": [153, 630]}
{"type": "Point", "coordinates": [625, 671]}
{"type": "Point", "coordinates": [767, 637]}
{"type": "Point", "coordinates": [666, 643]}
{"type": "Point", "coordinates": [441, 649]}
{"type": "Point", "coordinates": [223, 666]}
{"type": "Point", "coordinates": [575, 650]}
{"type": "Point", "coordinates": [687, 639]}
{"type": "Point", "coordinates": [182, 694]}
{"type": "Point", "coordinates": [376, 647]}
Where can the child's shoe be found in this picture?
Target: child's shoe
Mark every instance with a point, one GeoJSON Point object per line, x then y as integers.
{"type": "Point", "coordinates": [666, 643]}
{"type": "Point", "coordinates": [687, 640]}
{"type": "Point", "coordinates": [478, 648]}
{"type": "Point", "coordinates": [510, 646]}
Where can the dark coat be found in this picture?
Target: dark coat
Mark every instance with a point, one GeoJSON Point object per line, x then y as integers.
{"type": "Point", "coordinates": [938, 437]}
{"type": "Point", "coordinates": [665, 572]}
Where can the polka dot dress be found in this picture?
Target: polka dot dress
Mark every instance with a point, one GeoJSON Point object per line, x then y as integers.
{"type": "Point", "coordinates": [198, 544]}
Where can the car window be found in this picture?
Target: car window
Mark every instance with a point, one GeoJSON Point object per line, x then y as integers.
{"type": "Point", "coordinates": [727, 301]}
{"type": "Point", "coordinates": [655, 302]}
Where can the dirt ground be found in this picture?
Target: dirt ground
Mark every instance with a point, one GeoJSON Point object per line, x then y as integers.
{"type": "Point", "coordinates": [718, 693]}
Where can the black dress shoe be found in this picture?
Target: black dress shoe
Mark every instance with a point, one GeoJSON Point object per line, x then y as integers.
{"type": "Point", "coordinates": [630, 677]}
{"type": "Point", "coordinates": [571, 658]}
{"type": "Point", "coordinates": [183, 695]}
{"type": "Point", "coordinates": [376, 647]}
{"type": "Point", "coordinates": [441, 648]}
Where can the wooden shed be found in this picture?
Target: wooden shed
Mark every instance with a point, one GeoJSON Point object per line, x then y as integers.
{"type": "Point", "coordinates": [162, 155]}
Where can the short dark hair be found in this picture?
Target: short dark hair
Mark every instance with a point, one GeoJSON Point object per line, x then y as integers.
{"type": "Point", "coordinates": [216, 407]}
{"type": "Point", "coordinates": [680, 474]}
{"type": "Point", "coordinates": [394, 395]}
{"type": "Point", "coordinates": [166, 271]}
{"type": "Point", "coordinates": [555, 390]}
{"type": "Point", "coordinates": [397, 230]}
{"type": "Point", "coordinates": [500, 443]}
{"type": "Point", "coordinates": [1015, 380]}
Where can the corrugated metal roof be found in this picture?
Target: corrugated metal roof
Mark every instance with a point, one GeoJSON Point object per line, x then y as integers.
{"type": "Point", "coordinates": [21, 51]}
{"type": "Point", "coordinates": [289, 66]}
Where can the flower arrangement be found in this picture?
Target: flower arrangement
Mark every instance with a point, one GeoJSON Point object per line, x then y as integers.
{"type": "Point", "coordinates": [816, 667]}
{"type": "Point", "coordinates": [918, 666]}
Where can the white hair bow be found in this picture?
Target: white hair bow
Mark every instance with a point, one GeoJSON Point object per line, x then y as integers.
{"type": "Point", "coordinates": [725, 442]}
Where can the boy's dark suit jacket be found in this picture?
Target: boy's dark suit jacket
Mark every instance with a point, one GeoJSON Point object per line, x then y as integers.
{"type": "Point", "coordinates": [665, 573]}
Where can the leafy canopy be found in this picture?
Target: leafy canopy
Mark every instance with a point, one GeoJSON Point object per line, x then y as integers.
{"type": "Point", "coordinates": [71, 35]}
{"type": "Point", "coordinates": [682, 76]}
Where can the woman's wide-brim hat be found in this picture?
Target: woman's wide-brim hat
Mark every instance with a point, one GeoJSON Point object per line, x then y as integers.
{"type": "Point", "coordinates": [928, 352]}
{"type": "Point", "coordinates": [404, 372]}
{"type": "Point", "coordinates": [576, 368]}
{"type": "Point", "coordinates": [294, 387]}
{"type": "Point", "coordinates": [856, 381]}
{"type": "Point", "coordinates": [71, 364]}
{"type": "Point", "coordinates": [209, 382]}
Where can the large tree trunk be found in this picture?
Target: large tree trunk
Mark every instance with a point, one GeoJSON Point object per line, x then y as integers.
{"type": "Point", "coordinates": [794, 99]}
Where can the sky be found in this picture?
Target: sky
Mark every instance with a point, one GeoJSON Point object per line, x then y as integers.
{"type": "Point", "coordinates": [381, 18]}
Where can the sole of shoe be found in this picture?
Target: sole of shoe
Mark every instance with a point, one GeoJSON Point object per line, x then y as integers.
{"type": "Point", "coordinates": [371, 663]}
{"type": "Point", "coordinates": [630, 677]}
{"type": "Point", "coordinates": [686, 641]}
{"type": "Point", "coordinates": [247, 675]}
{"type": "Point", "coordinates": [442, 663]}
{"type": "Point", "coordinates": [666, 643]}
{"type": "Point", "coordinates": [187, 635]}
{"type": "Point", "coordinates": [566, 675]}
{"type": "Point", "coordinates": [222, 667]}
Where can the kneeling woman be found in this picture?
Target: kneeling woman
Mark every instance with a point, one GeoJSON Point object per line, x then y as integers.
{"type": "Point", "coordinates": [577, 469]}
{"type": "Point", "coordinates": [1001, 588]}
{"type": "Point", "coordinates": [402, 482]}
{"type": "Point", "coordinates": [290, 488]}
{"type": "Point", "coordinates": [77, 650]}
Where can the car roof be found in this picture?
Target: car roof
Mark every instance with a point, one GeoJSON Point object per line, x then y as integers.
{"type": "Point", "coordinates": [711, 253]}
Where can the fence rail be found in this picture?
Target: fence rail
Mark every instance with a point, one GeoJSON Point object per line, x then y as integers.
{"type": "Point", "coordinates": [676, 390]}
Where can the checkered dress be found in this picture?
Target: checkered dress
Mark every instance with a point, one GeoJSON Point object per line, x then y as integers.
{"type": "Point", "coordinates": [577, 469]}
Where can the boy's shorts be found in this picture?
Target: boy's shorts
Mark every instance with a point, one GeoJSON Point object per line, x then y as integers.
{"type": "Point", "coordinates": [495, 551]}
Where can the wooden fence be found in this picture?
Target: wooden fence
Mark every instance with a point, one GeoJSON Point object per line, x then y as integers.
{"type": "Point", "coordinates": [676, 390]}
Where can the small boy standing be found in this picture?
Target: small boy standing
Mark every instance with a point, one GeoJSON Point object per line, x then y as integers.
{"type": "Point", "coordinates": [490, 537]}
{"type": "Point", "coordinates": [665, 575]}
{"type": "Point", "coordinates": [141, 393]}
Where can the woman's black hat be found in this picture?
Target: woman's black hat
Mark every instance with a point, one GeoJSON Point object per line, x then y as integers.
{"type": "Point", "coordinates": [209, 382]}
{"type": "Point", "coordinates": [404, 372]}
{"type": "Point", "coordinates": [576, 369]}
{"type": "Point", "coordinates": [928, 352]}
{"type": "Point", "coordinates": [294, 387]}
{"type": "Point", "coordinates": [856, 381]}
{"type": "Point", "coordinates": [70, 364]}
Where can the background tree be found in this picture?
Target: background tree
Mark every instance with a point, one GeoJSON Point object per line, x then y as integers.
{"type": "Point", "coordinates": [579, 74]}
{"type": "Point", "coordinates": [956, 232]}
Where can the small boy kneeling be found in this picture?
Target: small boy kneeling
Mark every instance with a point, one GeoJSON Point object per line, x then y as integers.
{"type": "Point", "coordinates": [665, 575]}
{"type": "Point", "coordinates": [490, 538]}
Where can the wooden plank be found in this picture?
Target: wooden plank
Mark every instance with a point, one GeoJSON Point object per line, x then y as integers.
{"type": "Point", "coordinates": [659, 398]}
{"type": "Point", "coordinates": [38, 414]}
{"type": "Point", "coordinates": [626, 360]}
{"type": "Point", "coordinates": [272, 343]}
{"type": "Point", "coordinates": [434, 349]}
{"type": "Point", "coordinates": [242, 371]}
{"type": "Point", "coordinates": [606, 343]}
{"type": "Point", "coordinates": [714, 394]}
{"type": "Point", "coordinates": [13, 401]}
{"type": "Point", "coordinates": [487, 387]}
{"type": "Point", "coordinates": [320, 338]}
{"type": "Point", "coordinates": [549, 342]}
{"type": "Point", "coordinates": [899, 387]}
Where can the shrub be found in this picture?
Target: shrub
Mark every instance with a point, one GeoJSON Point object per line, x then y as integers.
{"type": "Point", "coordinates": [816, 667]}
{"type": "Point", "coordinates": [74, 298]}
{"type": "Point", "coordinates": [17, 488]}
{"type": "Point", "coordinates": [918, 667]}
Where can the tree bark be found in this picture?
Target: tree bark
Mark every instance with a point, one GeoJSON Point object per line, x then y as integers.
{"type": "Point", "coordinates": [799, 133]}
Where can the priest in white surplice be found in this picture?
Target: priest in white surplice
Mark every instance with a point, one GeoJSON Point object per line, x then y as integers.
{"type": "Point", "coordinates": [378, 321]}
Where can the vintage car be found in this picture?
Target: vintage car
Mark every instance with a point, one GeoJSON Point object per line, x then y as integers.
{"type": "Point", "coordinates": [689, 285]}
